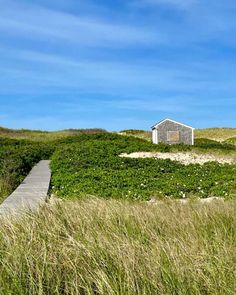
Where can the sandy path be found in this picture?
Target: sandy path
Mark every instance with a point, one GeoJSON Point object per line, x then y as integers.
{"type": "Point", "coordinates": [184, 158]}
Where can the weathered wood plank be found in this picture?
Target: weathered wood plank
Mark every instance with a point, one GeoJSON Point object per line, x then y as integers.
{"type": "Point", "coordinates": [31, 193]}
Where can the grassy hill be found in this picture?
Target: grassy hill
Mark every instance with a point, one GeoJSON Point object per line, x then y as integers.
{"type": "Point", "coordinates": [90, 165]}
{"type": "Point", "coordinates": [39, 135]}
{"type": "Point", "coordinates": [217, 134]}
{"type": "Point", "coordinates": [100, 234]}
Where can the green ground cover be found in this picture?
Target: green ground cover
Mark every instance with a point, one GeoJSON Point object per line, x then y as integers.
{"type": "Point", "coordinates": [20, 150]}
{"type": "Point", "coordinates": [17, 157]}
{"type": "Point", "coordinates": [91, 165]}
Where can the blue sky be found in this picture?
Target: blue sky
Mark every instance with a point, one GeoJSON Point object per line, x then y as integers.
{"type": "Point", "coordinates": [117, 64]}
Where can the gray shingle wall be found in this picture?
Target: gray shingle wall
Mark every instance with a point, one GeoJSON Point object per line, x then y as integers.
{"type": "Point", "coordinates": [185, 133]}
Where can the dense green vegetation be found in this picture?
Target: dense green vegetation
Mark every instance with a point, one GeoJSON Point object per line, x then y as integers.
{"type": "Point", "coordinates": [17, 157]}
{"type": "Point", "coordinates": [91, 165]}
{"type": "Point", "coordinates": [212, 145]}
{"type": "Point", "coordinates": [113, 247]}
{"type": "Point", "coordinates": [21, 149]}
{"type": "Point", "coordinates": [121, 247]}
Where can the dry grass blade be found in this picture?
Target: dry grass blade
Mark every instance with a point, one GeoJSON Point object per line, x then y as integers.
{"type": "Point", "coordinates": [95, 246]}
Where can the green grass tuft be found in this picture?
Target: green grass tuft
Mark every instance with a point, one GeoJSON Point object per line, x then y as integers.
{"type": "Point", "coordinates": [115, 247]}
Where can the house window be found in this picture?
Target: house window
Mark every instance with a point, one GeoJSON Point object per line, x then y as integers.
{"type": "Point", "coordinates": [173, 136]}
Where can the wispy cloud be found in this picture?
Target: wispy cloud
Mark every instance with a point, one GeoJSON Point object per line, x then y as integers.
{"type": "Point", "coordinates": [38, 23]}
{"type": "Point", "coordinates": [27, 71]}
{"type": "Point", "coordinates": [181, 4]}
{"type": "Point", "coordinates": [157, 104]}
{"type": "Point", "coordinates": [192, 22]}
{"type": "Point", "coordinates": [164, 57]}
{"type": "Point", "coordinates": [146, 104]}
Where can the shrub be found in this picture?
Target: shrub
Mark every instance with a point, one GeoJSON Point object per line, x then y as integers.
{"type": "Point", "coordinates": [17, 157]}
{"type": "Point", "coordinates": [91, 165]}
{"type": "Point", "coordinates": [209, 144]}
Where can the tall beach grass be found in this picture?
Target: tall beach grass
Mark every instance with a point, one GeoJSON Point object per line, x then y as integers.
{"type": "Point", "coordinates": [96, 246]}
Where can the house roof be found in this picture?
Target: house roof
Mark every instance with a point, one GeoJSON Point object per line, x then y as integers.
{"type": "Point", "coordinates": [162, 121]}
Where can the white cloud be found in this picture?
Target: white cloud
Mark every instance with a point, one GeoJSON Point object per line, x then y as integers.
{"type": "Point", "coordinates": [37, 23]}
{"type": "Point", "coordinates": [181, 4]}
{"type": "Point", "coordinates": [34, 68]}
{"type": "Point", "coordinates": [32, 71]}
{"type": "Point", "coordinates": [150, 104]}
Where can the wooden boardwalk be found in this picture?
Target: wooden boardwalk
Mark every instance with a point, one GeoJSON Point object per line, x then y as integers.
{"type": "Point", "coordinates": [31, 193]}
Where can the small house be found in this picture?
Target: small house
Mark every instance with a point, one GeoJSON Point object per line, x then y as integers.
{"type": "Point", "coordinates": [172, 132]}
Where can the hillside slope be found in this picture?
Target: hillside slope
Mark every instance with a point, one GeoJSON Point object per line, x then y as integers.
{"type": "Point", "coordinates": [45, 135]}
{"type": "Point", "coordinates": [218, 134]}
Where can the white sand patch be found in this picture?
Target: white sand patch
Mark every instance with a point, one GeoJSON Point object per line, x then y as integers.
{"type": "Point", "coordinates": [182, 157]}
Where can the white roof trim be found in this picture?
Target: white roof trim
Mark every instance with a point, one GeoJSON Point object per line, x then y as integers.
{"type": "Point", "coordinates": [162, 121]}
